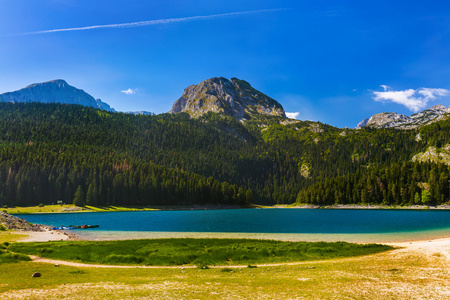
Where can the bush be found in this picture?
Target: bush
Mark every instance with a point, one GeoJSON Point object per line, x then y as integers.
{"type": "Point", "coordinates": [8, 257]}
{"type": "Point", "coordinates": [2, 228]}
{"type": "Point", "coordinates": [226, 270]}
{"type": "Point", "coordinates": [203, 267]}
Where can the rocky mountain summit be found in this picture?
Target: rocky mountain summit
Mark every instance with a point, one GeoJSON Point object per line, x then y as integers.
{"type": "Point", "coordinates": [55, 91]}
{"type": "Point", "coordinates": [399, 121]}
{"type": "Point", "coordinates": [234, 97]}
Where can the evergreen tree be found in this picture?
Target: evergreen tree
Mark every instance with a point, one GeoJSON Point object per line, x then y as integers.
{"type": "Point", "coordinates": [91, 195]}
{"type": "Point", "coordinates": [79, 199]}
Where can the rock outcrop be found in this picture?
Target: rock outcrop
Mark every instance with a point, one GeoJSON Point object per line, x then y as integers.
{"type": "Point", "coordinates": [55, 91]}
{"type": "Point", "coordinates": [15, 223]}
{"type": "Point", "coordinates": [236, 98]}
{"type": "Point", "coordinates": [399, 121]}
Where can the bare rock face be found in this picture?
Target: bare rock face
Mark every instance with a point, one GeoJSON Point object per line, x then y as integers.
{"type": "Point", "coordinates": [233, 97]}
{"type": "Point", "coordinates": [390, 119]}
{"type": "Point", "coordinates": [15, 223]}
{"type": "Point", "coordinates": [398, 121]}
{"type": "Point", "coordinates": [55, 91]}
{"type": "Point", "coordinates": [362, 123]}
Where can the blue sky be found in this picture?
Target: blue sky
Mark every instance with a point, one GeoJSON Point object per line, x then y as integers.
{"type": "Point", "coordinates": [326, 60]}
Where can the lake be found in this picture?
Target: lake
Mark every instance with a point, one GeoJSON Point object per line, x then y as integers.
{"type": "Point", "coordinates": [363, 225]}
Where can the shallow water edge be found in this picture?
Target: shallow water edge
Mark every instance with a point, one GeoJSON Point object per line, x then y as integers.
{"type": "Point", "coordinates": [395, 237]}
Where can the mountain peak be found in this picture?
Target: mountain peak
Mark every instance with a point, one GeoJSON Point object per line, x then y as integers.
{"type": "Point", "coordinates": [54, 91]}
{"type": "Point", "coordinates": [234, 97]}
{"type": "Point", "coordinates": [399, 121]}
{"type": "Point", "coordinates": [59, 82]}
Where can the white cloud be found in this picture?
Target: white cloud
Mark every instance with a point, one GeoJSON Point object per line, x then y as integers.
{"type": "Point", "coordinates": [129, 91]}
{"type": "Point", "coordinates": [292, 115]}
{"type": "Point", "coordinates": [413, 99]}
{"type": "Point", "coordinates": [154, 22]}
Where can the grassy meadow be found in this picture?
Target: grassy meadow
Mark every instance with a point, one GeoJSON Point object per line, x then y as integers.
{"type": "Point", "coordinates": [10, 236]}
{"type": "Point", "coordinates": [200, 252]}
{"type": "Point", "coordinates": [387, 275]}
{"type": "Point", "coordinates": [70, 208]}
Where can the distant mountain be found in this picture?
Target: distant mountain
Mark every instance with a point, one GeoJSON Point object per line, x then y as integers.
{"type": "Point", "coordinates": [399, 121]}
{"type": "Point", "coordinates": [55, 91]}
{"type": "Point", "coordinates": [136, 113]}
{"type": "Point", "coordinates": [236, 98]}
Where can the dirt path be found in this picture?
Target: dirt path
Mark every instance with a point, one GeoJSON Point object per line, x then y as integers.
{"type": "Point", "coordinates": [84, 265]}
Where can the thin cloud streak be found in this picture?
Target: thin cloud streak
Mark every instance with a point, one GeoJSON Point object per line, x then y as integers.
{"type": "Point", "coordinates": [153, 22]}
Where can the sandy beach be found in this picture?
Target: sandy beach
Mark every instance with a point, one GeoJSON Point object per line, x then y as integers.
{"type": "Point", "coordinates": [436, 247]}
{"type": "Point", "coordinates": [44, 236]}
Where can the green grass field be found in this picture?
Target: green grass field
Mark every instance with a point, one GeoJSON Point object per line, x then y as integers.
{"type": "Point", "coordinates": [10, 236]}
{"type": "Point", "coordinates": [200, 252]}
{"type": "Point", "coordinates": [386, 275]}
{"type": "Point", "coordinates": [9, 257]}
{"type": "Point", "coordinates": [69, 208]}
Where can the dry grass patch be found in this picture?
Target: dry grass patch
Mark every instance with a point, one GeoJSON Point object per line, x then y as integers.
{"type": "Point", "coordinates": [11, 236]}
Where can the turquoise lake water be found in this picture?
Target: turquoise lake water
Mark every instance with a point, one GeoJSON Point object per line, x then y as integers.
{"type": "Point", "coordinates": [294, 224]}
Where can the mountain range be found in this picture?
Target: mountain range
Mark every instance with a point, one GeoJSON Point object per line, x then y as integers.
{"type": "Point", "coordinates": [222, 143]}
{"type": "Point", "coordinates": [234, 97]}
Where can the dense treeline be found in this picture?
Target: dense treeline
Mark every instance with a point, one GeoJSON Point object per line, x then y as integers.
{"type": "Point", "coordinates": [54, 151]}
{"type": "Point", "coordinates": [405, 183]}
{"type": "Point", "coordinates": [26, 179]}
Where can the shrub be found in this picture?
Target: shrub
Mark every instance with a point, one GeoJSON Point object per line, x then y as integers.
{"type": "Point", "coordinates": [8, 257]}
{"type": "Point", "coordinates": [226, 270]}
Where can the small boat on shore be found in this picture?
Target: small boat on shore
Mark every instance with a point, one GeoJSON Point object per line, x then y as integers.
{"type": "Point", "coordinates": [64, 228]}
{"type": "Point", "coordinates": [87, 226]}
{"type": "Point", "coordinates": [71, 227]}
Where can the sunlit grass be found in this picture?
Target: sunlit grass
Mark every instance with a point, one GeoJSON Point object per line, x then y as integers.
{"type": "Point", "coordinates": [68, 208]}
{"type": "Point", "coordinates": [199, 252]}
{"type": "Point", "coordinates": [11, 236]}
{"type": "Point", "coordinates": [367, 277]}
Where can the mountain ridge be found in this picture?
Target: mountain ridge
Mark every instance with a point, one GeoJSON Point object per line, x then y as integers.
{"type": "Point", "coordinates": [54, 91]}
{"type": "Point", "coordinates": [400, 121]}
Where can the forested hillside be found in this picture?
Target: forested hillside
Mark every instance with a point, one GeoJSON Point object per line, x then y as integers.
{"type": "Point", "coordinates": [51, 152]}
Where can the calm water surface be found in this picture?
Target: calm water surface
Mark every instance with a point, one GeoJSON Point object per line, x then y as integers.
{"type": "Point", "coordinates": [336, 223]}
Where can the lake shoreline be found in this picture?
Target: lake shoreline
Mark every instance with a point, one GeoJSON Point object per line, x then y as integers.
{"type": "Point", "coordinates": [74, 209]}
{"type": "Point", "coordinates": [425, 243]}
{"type": "Point", "coordinates": [359, 206]}
{"type": "Point", "coordinates": [420, 233]}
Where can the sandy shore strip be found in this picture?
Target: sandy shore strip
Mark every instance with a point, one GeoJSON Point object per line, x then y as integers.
{"type": "Point", "coordinates": [436, 247]}
{"type": "Point", "coordinates": [394, 237]}
{"type": "Point", "coordinates": [45, 236]}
